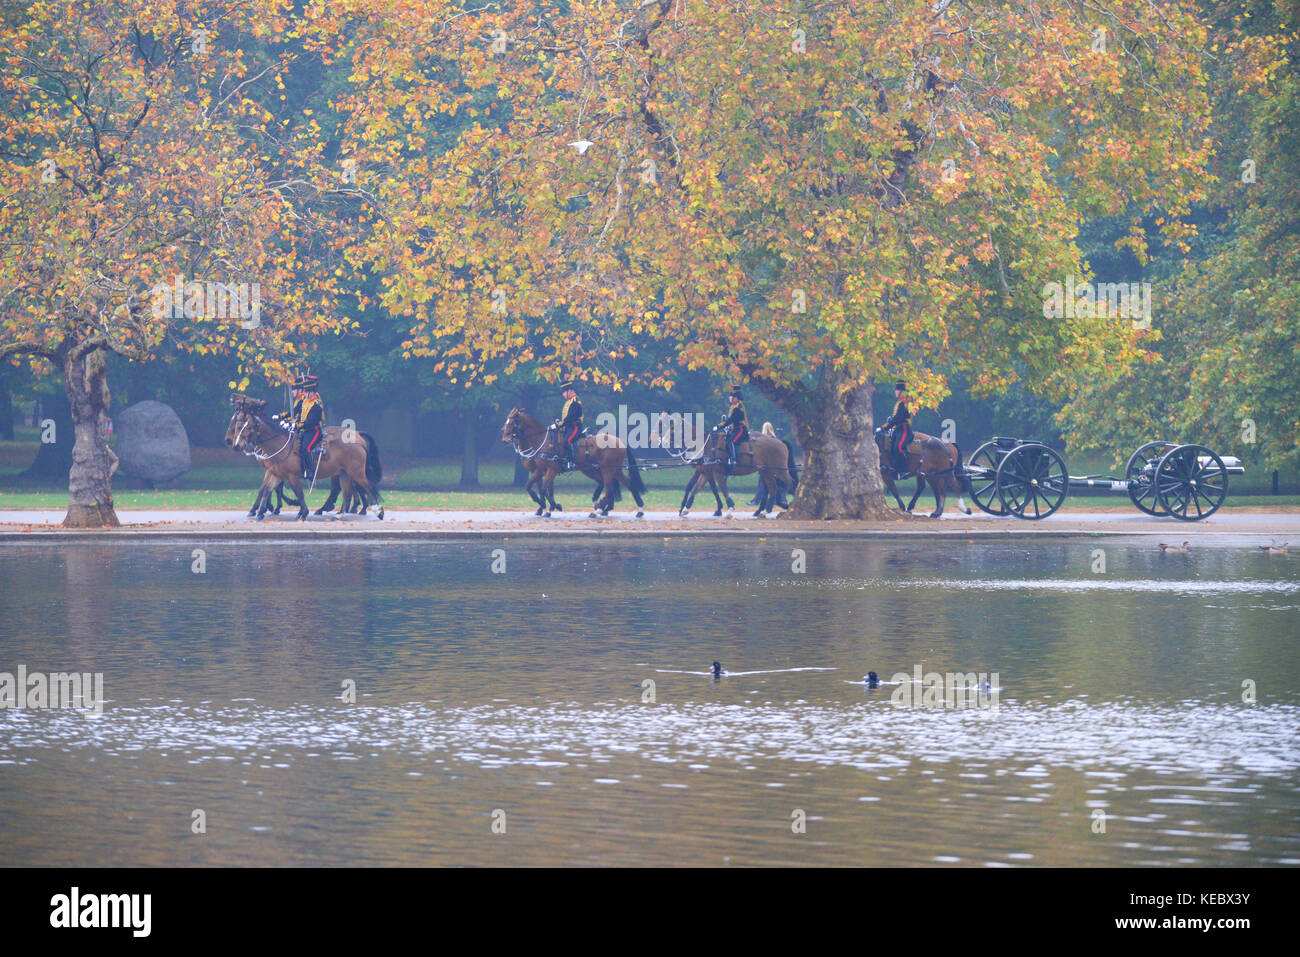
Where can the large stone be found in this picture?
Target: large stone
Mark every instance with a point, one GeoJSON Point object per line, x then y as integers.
{"type": "Point", "coordinates": [151, 442]}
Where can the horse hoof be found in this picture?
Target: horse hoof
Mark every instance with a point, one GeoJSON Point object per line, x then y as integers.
{"type": "Point", "coordinates": [760, 514]}
{"type": "Point", "coordinates": [380, 514]}
{"type": "Point", "coordinates": [968, 511]}
{"type": "Point", "coordinates": [591, 514]}
{"type": "Point", "coordinates": [559, 508]}
{"type": "Point", "coordinates": [640, 514]}
{"type": "Point", "coordinates": [546, 514]}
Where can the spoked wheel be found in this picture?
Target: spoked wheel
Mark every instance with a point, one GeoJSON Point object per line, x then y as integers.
{"type": "Point", "coordinates": [1191, 483]}
{"type": "Point", "coordinates": [1140, 474]}
{"type": "Point", "coordinates": [982, 469]}
{"type": "Point", "coordinates": [1032, 481]}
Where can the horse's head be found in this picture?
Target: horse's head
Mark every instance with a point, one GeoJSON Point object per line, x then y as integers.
{"type": "Point", "coordinates": [510, 428]}
{"type": "Point", "coordinates": [243, 425]}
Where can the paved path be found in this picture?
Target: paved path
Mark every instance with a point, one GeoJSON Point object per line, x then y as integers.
{"type": "Point", "coordinates": [1226, 527]}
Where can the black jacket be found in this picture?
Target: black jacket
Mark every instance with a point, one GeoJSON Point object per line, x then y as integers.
{"type": "Point", "coordinates": [736, 418]}
{"type": "Point", "coordinates": [572, 414]}
{"type": "Point", "coordinates": [900, 416]}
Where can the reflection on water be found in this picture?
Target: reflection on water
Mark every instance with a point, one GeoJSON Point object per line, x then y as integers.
{"type": "Point", "coordinates": [530, 692]}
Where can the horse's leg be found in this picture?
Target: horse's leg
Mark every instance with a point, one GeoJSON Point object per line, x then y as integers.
{"type": "Point", "coordinates": [269, 482]}
{"type": "Point", "coordinates": [722, 480]}
{"type": "Point", "coordinates": [548, 491]}
{"type": "Point", "coordinates": [608, 481]}
{"type": "Point", "coordinates": [640, 504]}
{"type": "Point", "coordinates": [534, 478]}
{"type": "Point", "coordinates": [713, 487]}
{"type": "Point", "coordinates": [767, 482]}
{"type": "Point", "coordinates": [940, 488]}
{"type": "Point", "coordinates": [892, 489]}
{"type": "Point", "coordinates": [347, 487]}
{"type": "Point", "coordinates": [687, 495]}
{"type": "Point", "coordinates": [261, 493]}
{"type": "Point", "coordinates": [295, 483]}
{"type": "Point", "coordinates": [920, 487]}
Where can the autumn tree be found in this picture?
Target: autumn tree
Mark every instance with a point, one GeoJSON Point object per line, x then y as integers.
{"type": "Point", "coordinates": [806, 197]}
{"type": "Point", "coordinates": [1225, 371]}
{"type": "Point", "coordinates": [157, 197]}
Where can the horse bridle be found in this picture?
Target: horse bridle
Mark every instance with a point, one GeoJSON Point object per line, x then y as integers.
{"type": "Point", "coordinates": [514, 441]}
{"type": "Point", "coordinates": [256, 452]}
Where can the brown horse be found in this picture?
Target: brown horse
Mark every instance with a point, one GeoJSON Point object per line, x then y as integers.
{"type": "Point", "coordinates": [272, 488]}
{"type": "Point", "coordinates": [253, 430]}
{"type": "Point", "coordinates": [600, 457]}
{"type": "Point", "coordinates": [935, 462]}
{"type": "Point", "coordinates": [765, 454]}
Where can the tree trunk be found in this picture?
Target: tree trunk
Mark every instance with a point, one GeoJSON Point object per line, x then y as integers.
{"type": "Point", "coordinates": [90, 481]}
{"type": "Point", "coordinates": [841, 473]}
{"type": "Point", "coordinates": [469, 462]}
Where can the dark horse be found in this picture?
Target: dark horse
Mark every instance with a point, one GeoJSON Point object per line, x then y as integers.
{"type": "Point", "coordinates": [937, 462]}
{"type": "Point", "coordinates": [767, 455]}
{"type": "Point", "coordinates": [253, 431]}
{"type": "Point", "coordinates": [600, 457]}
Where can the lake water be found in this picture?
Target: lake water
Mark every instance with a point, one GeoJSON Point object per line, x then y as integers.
{"type": "Point", "coordinates": [1118, 734]}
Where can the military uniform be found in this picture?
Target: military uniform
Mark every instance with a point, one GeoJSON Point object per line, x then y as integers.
{"type": "Point", "coordinates": [570, 425]}
{"type": "Point", "coordinates": [901, 435]}
{"type": "Point", "coordinates": [736, 424]}
{"type": "Point", "coordinates": [308, 414]}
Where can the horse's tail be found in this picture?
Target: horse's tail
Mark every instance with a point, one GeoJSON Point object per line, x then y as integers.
{"type": "Point", "coordinates": [959, 473]}
{"type": "Point", "coordinates": [374, 469]}
{"type": "Point", "coordinates": [790, 467]}
{"type": "Point", "coordinates": [634, 475]}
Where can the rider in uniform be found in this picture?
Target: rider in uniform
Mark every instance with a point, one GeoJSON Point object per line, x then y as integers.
{"type": "Point", "coordinates": [901, 424]}
{"type": "Point", "coordinates": [569, 423]}
{"type": "Point", "coordinates": [736, 425]}
{"type": "Point", "coordinates": [307, 416]}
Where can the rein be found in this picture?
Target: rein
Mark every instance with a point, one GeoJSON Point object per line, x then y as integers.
{"type": "Point", "coordinates": [257, 453]}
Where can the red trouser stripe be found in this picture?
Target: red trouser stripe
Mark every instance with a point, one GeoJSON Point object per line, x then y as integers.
{"type": "Point", "coordinates": [572, 434]}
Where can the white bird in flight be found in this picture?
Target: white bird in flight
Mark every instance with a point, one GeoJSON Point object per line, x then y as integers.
{"type": "Point", "coordinates": [581, 145]}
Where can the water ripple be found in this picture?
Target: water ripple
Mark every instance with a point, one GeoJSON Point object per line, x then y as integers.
{"type": "Point", "coordinates": [1210, 741]}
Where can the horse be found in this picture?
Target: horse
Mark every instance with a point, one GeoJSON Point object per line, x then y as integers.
{"type": "Point", "coordinates": [252, 430]}
{"type": "Point", "coordinates": [938, 463]}
{"type": "Point", "coordinates": [355, 499]}
{"type": "Point", "coordinates": [767, 455]}
{"type": "Point", "coordinates": [533, 466]}
{"type": "Point", "coordinates": [600, 457]}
